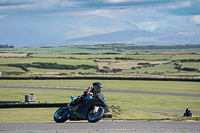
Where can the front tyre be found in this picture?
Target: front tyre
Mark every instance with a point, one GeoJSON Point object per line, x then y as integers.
{"type": "Point", "coordinates": [95, 115]}
{"type": "Point", "coordinates": [60, 115]}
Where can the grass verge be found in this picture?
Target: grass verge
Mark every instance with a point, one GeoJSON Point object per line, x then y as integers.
{"type": "Point", "coordinates": [25, 115]}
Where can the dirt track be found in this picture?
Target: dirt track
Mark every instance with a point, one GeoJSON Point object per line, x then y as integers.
{"type": "Point", "coordinates": [102, 126]}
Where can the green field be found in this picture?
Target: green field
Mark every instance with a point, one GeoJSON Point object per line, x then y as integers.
{"type": "Point", "coordinates": [160, 67]}
{"type": "Point", "coordinates": [169, 68]}
{"type": "Point", "coordinates": [105, 48]}
{"type": "Point", "coordinates": [56, 50]}
{"type": "Point", "coordinates": [53, 72]}
{"type": "Point", "coordinates": [191, 64]}
{"type": "Point", "coordinates": [82, 56]}
{"type": "Point", "coordinates": [185, 56]}
{"type": "Point", "coordinates": [47, 60]}
{"type": "Point", "coordinates": [149, 57]}
{"type": "Point", "coordinates": [10, 69]}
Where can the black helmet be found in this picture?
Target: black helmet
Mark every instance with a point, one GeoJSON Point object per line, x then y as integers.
{"type": "Point", "coordinates": [187, 110]}
{"type": "Point", "coordinates": [97, 86]}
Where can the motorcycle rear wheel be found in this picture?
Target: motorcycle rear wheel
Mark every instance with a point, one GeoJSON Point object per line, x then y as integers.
{"type": "Point", "coordinates": [94, 117]}
{"type": "Point", "coordinates": [60, 115]}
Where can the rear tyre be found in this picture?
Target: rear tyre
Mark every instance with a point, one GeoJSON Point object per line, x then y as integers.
{"type": "Point", "coordinates": [60, 115]}
{"type": "Point", "coordinates": [95, 116]}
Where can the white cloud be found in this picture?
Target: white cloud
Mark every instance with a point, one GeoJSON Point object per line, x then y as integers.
{"type": "Point", "coordinates": [67, 4]}
{"type": "Point", "coordinates": [196, 19]}
{"type": "Point", "coordinates": [146, 14]}
{"type": "Point", "coordinates": [35, 5]}
{"type": "Point", "coordinates": [102, 12]}
{"type": "Point", "coordinates": [117, 1]}
{"type": "Point", "coordinates": [178, 4]}
{"type": "Point", "coordinates": [128, 1]}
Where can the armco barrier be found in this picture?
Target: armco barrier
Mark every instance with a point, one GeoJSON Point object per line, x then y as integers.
{"type": "Point", "coordinates": [38, 105]}
{"type": "Point", "coordinates": [46, 105]}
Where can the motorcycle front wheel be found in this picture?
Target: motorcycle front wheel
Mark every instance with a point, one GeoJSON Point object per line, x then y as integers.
{"type": "Point", "coordinates": [60, 115]}
{"type": "Point", "coordinates": [95, 116]}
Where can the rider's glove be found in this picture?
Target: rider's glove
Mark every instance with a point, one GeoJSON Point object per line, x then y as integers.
{"type": "Point", "coordinates": [90, 94]}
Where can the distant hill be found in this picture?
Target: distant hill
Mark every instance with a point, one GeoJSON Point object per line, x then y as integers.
{"type": "Point", "coordinates": [168, 36]}
{"type": "Point", "coordinates": [26, 30]}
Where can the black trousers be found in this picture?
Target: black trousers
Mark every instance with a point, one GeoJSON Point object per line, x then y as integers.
{"type": "Point", "coordinates": [77, 100]}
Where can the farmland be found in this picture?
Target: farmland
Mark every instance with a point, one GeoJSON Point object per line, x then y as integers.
{"type": "Point", "coordinates": [111, 60]}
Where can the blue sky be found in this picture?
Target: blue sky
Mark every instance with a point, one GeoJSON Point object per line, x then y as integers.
{"type": "Point", "coordinates": [145, 14]}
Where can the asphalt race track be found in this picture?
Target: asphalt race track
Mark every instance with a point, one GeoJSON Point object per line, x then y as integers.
{"type": "Point", "coordinates": [104, 90]}
{"type": "Point", "coordinates": [101, 126]}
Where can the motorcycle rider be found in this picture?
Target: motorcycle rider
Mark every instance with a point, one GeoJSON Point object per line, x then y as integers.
{"type": "Point", "coordinates": [91, 91]}
{"type": "Point", "coordinates": [188, 113]}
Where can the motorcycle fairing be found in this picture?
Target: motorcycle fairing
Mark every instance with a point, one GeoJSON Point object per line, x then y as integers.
{"type": "Point", "coordinates": [85, 106]}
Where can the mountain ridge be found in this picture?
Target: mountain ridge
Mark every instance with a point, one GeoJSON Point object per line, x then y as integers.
{"type": "Point", "coordinates": [31, 30]}
{"type": "Point", "coordinates": [140, 37]}
{"type": "Point", "coordinates": [26, 30]}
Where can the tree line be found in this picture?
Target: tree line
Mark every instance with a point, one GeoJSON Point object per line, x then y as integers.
{"type": "Point", "coordinates": [122, 47]}
{"type": "Point", "coordinates": [6, 46]}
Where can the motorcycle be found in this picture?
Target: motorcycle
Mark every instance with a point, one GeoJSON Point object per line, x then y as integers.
{"type": "Point", "coordinates": [90, 108]}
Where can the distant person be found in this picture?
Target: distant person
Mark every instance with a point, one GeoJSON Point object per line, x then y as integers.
{"type": "Point", "coordinates": [188, 113]}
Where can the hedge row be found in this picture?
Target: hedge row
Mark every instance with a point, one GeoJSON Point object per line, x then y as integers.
{"type": "Point", "coordinates": [51, 66]}
{"type": "Point", "coordinates": [22, 66]}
